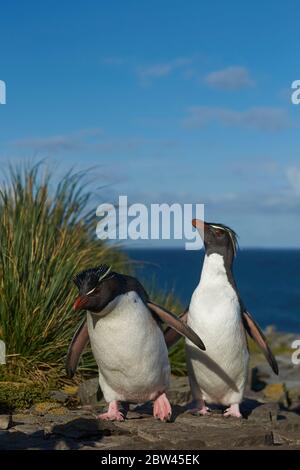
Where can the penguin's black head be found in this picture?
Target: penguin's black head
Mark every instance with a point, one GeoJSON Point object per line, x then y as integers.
{"type": "Point", "coordinates": [93, 293]}
{"type": "Point", "coordinates": [217, 238]}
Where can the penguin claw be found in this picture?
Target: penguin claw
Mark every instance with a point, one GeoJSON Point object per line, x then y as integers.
{"type": "Point", "coordinates": [198, 408]}
{"type": "Point", "coordinates": [112, 414]}
{"type": "Point", "coordinates": [234, 411]}
{"type": "Point", "coordinates": [162, 409]}
{"type": "Point", "coordinates": [199, 412]}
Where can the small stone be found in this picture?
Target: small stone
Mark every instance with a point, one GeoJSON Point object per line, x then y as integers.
{"type": "Point", "coordinates": [5, 422]}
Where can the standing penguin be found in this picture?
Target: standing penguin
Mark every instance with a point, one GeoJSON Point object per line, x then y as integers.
{"type": "Point", "coordinates": [217, 313]}
{"type": "Point", "coordinates": [123, 327]}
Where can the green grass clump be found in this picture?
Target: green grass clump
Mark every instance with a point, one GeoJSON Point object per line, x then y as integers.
{"type": "Point", "coordinates": [46, 236]}
{"type": "Point", "coordinates": [20, 395]}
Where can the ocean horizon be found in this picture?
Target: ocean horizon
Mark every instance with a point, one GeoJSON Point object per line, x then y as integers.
{"type": "Point", "coordinates": [267, 279]}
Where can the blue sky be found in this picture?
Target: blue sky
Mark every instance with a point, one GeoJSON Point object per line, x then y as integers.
{"type": "Point", "coordinates": [173, 101]}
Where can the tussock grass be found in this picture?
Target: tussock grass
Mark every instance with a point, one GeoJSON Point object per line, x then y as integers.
{"type": "Point", "coordinates": [46, 236]}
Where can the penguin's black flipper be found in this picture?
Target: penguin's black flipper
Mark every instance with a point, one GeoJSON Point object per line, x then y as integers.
{"type": "Point", "coordinates": [171, 336]}
{"type": "Point", "coordinates": [257, 335]}
{"type": "Point", "coordinates": [77, 345]}
{"type": "Point", "coordinates": [175, 323]}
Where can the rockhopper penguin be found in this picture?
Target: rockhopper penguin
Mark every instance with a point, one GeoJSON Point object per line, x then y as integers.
{"type": "Point", "coordinates": [218, 315]}
{"type": "Point", "coordinates": [127, 341]}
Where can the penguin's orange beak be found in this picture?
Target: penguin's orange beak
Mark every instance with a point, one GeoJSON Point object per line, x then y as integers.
{"type": "Point", "coordinates": [200, 226]}
{"type": "Point", "coordinates": [80, 303]}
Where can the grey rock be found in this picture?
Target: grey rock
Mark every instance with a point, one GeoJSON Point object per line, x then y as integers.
{"type": "Point", "coordinates": [265, 413]}
{"type": "Point", "coordinates": [21, 418]}
{"type": "Point", "coordinates": [5, 422]}
{"type": "Point", "coordinates": [29, 429]}
{"type": "Point", "coordinates": [266, 427]}
{"type": "Point", "coordinates": [57, 419]}
{"type": "Point", "coordinates": [89, 392]}
{"type": "Point", "coordinates": [58, 396]}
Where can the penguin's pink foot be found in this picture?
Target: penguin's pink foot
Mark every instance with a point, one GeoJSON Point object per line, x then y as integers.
{"type": "Point", "coordinates": [234, 411]}
{"type": "Point", "coordinates": [113, 413]}
{"type": "Point", "coordinates": [161, 408]}
{"type": "Point", "coordinates": [200, 409]}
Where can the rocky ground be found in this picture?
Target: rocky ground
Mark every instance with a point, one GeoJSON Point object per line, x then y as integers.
{"type": "Point", "coordinates": [271, 420]}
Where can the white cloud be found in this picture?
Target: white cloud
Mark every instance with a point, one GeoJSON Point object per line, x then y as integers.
{"type": "Point", "coordinates": [95, 141]}
{"type": "Point", "coordinates": [161, 69]}
{"type": "Point", "coordinates": [151, 71]}
{"type": "Point", "coordinates": [230, 78]}
{"type": "Point", "coordinates": [51, 144]}
{"type": "Point", "coordinates": [65, 142]}
{"type": "Point", "coordinates": [261, 118]}
{"type": "Point", "coordinates": [282, 199]}
{"type": "Point", "coordinates": [293, 176]}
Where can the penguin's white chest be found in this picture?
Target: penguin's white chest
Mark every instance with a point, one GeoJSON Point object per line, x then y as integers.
{"type": "Point", "coordinates": [214, 314]}
{"type": "Point", "coordinates": [130, 351]}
